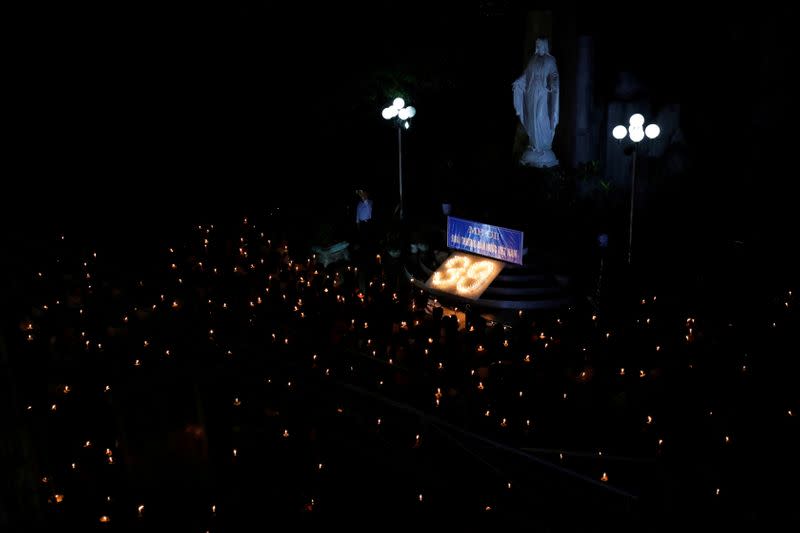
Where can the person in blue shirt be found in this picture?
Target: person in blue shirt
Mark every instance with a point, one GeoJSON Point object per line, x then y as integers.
{"type": "Point", "coordinates": [364, 221]}
{"type": "Point", "coordinates": [363, 209]}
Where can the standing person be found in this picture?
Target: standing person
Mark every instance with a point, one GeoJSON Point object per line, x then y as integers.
{"type": "Point", "coordinates": [366, 236]}
{"type": "Point", "coordinates": [364, 223]}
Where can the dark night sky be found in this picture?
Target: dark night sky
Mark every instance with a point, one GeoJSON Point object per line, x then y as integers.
{"type": "Point", "coordinates": [195, 105]}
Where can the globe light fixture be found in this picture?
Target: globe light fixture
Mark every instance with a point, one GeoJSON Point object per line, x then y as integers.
{"type": "Point", "coordinates": [401, 115]}
{"type": "Point", "coordinates": [636, 132]}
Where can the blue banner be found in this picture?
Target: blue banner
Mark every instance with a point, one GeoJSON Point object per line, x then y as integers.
{"type": "Point", "coordinates": [485, 239]}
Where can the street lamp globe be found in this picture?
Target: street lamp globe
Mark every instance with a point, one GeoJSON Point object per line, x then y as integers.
{"type": "Point", "coordinates": [389, 113]}
{"type": "Point", "coordinates": [398, 103]}
{"type": "Point", "coordinates": [637, 119]}
{"type": "Point", "coordinates": [652, 131]}
{"type": "Point", "coordinates": [619, 132]}
{"type": "Point", "coordinates": [636, 133]}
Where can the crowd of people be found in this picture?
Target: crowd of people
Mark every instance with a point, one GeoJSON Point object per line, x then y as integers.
{"type": "Point", "coordinates": [242, 374]}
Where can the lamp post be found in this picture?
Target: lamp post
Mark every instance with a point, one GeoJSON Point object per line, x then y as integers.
{"type": "Point", "coordinates": [400, 114]}
{"type": "Point", "coordinates": [636, 132]}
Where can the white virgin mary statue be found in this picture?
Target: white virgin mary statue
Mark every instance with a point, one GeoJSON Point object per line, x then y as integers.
{"type": "Point", "coordinates": [536, 104]}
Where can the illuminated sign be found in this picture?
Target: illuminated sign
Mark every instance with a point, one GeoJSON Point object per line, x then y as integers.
{"type": "Point", "coordinates": [465, 275]}
{"type": "Point", "coordinates": [484, 239]}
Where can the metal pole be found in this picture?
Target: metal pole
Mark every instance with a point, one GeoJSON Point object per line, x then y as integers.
{"type": "Point", "coordinates": [400, 165]}
{"type": "Point", "coordinates": [633, 196]}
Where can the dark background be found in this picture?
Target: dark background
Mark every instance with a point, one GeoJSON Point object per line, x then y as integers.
{"type": "Point", "coordinates": [137, 117]}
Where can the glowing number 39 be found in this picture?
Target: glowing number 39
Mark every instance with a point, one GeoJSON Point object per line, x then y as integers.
{"type": "Point", "coordinates": [464, 274]}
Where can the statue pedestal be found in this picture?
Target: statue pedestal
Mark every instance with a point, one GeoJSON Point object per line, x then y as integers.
{"type": "Point", "coordinates": [538, 158]}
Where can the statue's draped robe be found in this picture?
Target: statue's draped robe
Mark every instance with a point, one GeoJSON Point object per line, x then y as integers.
{"type": "Point", "coordinates": [536, 101]}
